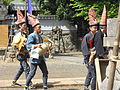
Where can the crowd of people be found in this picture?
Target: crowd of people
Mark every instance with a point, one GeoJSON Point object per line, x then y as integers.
{"type": "Point", "coordinates": [91, 46]}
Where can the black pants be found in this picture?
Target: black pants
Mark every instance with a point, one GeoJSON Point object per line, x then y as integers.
{"type": "Point", "coordinates": [33, 69]}
{"type": "Point", "coordinates": [91, 75]}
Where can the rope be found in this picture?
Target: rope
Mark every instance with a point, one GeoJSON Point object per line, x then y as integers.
{"type": "Point", "coordinates": [115, 57]}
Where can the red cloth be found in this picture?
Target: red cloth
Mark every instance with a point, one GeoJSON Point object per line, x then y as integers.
{"type": "Point", "coordinates": [90, 42]}
{"type": "Point", "coordinates": [81, 39]}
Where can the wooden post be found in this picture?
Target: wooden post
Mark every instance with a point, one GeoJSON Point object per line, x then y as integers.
{"type": "Point", "coordinates": [25, 9]}
{"type": "Point", "coordinates": [62, 39]}
{"type": "Point", "coordinates": [98, 73]}
{"type": "Point", "coordinates": [115, 55]}
{"type": "Point", "coordinates": [59, 40]}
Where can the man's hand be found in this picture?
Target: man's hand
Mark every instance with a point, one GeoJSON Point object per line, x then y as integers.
{"type": "Point", "coordinates": [91, 59]}
{"type": "Point", "coordinates": [86, 65]}
{"type": "Point", "coordinates": [37, 46]}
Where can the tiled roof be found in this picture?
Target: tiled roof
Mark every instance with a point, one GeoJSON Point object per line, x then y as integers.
{"type": "Point", "coordinates": [22, 7]}
{"type": "Point", "coordinates": [46, 17]}
{"type": "Point", "coordinates": [19, 4]}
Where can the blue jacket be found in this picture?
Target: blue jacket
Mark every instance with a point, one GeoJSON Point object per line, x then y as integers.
{"type": "Point", "coordinates": [34, 39]}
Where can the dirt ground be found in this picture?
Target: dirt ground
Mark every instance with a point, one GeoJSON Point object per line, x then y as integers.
{"type": "Point", "coordinates": [51, 88]}
{"type": "Point", "coordinates": [62, 66]}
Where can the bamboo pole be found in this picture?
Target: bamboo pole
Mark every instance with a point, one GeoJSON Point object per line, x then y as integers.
{"type": "Point", "coordinates": [115, 55]}
{"type": "Point", "coordinates": [25, 9]}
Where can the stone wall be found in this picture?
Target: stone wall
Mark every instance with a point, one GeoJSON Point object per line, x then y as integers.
{"type": "Point", "coordinates": [69, 41]}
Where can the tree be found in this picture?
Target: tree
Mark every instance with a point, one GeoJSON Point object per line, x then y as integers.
{"type": "Point", "coordinates": [77, 10]}
{"type": "Point", "coordinates": [81, 7]}
{"type": "Point", "coordinates": [7, 2]}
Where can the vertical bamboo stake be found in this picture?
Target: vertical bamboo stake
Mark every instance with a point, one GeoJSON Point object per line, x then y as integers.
{"type": "Point", "coordinates": [25, 9]}
{"type": "Point", "coordinates": [115, 55]}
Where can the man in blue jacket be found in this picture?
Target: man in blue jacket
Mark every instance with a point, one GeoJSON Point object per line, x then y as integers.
{"type": "Point", "coordinates": [33, 42]}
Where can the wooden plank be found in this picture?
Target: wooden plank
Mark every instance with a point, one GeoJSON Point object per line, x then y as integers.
{"type": "Point", "coordinates": [3, 35]}
{"type": "Point", "coordinates": [104, 59]}
{"type": "Point", "coordinates": [110, 59]}
{"type": "Point", "coordinates": [101, 65]}
{"type": "Point", "coordinates": [98, 72]}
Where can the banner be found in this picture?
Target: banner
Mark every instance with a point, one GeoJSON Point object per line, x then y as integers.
{"type": "Point", "coordinates": [29, 7]}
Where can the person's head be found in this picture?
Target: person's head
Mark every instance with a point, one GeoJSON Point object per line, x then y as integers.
{"type": "Point", "coordinates": [22, 26]}
{"type": "Point", "coordinates": [103, 28]}
{"type": "Point", "coordinates": [103, 21]}
{"type": "Point", "coordinates": [37, 28]}
{"type": "Point", "coordinates": [93, 28]}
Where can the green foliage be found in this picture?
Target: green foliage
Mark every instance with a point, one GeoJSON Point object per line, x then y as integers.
{"type": "Point", "coordinates": [45, 12]}
{"type": "Point", "coordinates": [7, 2]}
{"type": "Point", "coordinates": [51, 6]}
{"type": "Point", "coordinates": [81, 8]}
{"type": "Point", "coordinates": [76, 10]}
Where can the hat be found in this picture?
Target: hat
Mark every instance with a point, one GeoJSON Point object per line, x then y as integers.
{"type": "Point", "coordinates": [33, 20]}
{"type": "Point", "coordinates": [20, 17]}
{"type": "Point", "coordinates": [103, 21]}
{"type": "Point", "coordinates": [93, 21]}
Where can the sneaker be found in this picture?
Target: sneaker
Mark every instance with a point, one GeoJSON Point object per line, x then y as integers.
{"type": "Point", "coordinates": [45, 88]}
{"type": "Point", "coordinates": [15, 84]}
{"type": "Point", "coordinates": [26, 88]}
{"type": "Point", "coordinates": [86, 88]}
{"type": "Point", "coordinates": [32, 87]}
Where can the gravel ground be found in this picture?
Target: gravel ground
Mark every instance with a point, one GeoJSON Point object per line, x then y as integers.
{"type": "Point", "coordinates": [51, 88]}
{"type": "Point", "coordinates": [59, 67]}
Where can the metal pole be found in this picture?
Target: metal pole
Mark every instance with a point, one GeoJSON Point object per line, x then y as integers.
{"type": "Point", "coordinates": [115, 55]}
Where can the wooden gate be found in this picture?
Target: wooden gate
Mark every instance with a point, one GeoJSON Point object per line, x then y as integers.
{"type": "Point", "coordinates": [3, 35]}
